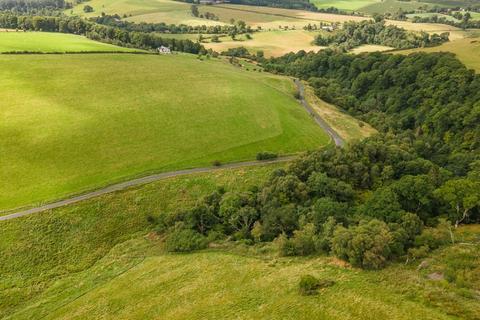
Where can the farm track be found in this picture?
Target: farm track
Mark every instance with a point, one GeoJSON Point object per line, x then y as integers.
{"type": "Point", "coordinates": [160, 176]}
{"type": "Point", "coordinates": [339, 142]}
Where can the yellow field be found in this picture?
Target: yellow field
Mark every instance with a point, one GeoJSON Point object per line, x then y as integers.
{"type": "Point", "coordinates": [370, 48]}
{"type": "Point", "coordinates": [467, 50]}
{"type": "Point", "coordinates": [273, 43]}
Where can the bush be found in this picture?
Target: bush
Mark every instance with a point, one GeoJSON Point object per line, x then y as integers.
{"type": "Point", "coordinates": [309, 285]}
{"type": "Point", "coordinates": [366, 245]}
{"type": "Point", "coordinates": [266, 155]}
{"type": "Point", "coordinates": [216, 163]}
{"type": "Point", "coordinates": [185, 240]}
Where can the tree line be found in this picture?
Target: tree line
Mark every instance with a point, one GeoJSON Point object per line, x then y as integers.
{"type": "Point", "coordinates": [32, 5]}
{"type": "Point", "coordinates": [115, 21]}
{"type": "Point", "coordinates": [287, 4]}
{"type": "Point", "coordinates": [354, 34]}
{"type": "Point", "coordinates": [113, 35]}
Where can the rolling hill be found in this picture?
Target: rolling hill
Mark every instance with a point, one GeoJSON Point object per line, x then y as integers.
{"type": "Point", "coordinates": [77, 122]}
{"type": "Point", "coordinates": [48, 42]}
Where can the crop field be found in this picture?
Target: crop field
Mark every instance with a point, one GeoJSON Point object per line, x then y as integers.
{"type": "Point", "coordinates": [467, 51]}
{"type": "Point", "coordinates": [52, 42]}
{"type": "Point", "coordinates": [121, 115]}
{"type": "Point", "coordinates": [272, 43]}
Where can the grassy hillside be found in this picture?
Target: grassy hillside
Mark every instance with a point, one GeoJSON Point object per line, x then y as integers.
{"type": "Point", "coordinates": [467, 50]}
{"type": "Point", "coordinates": [40, 249]}
{"type": "Point", "coordinates": [97, 259]}
{"type": "Point", "coordinates": [76, 122]}
{"type": "Point", "coordinates": [52, 42]}
{"type": "Point", "coordinates": [347, 5]}
{"type": "Point", "coordinates": [345, 125]}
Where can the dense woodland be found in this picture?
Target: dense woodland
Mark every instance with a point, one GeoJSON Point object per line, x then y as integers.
{"type": "Point", "coordinates": [114, 35]}
{"type": "Point", "coordinates": [354, 34]}
{"type": "Point", "coordinates": [393, 196]}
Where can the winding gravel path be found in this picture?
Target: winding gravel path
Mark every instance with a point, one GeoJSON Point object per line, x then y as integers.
{"type": "Point", "coordinates": [160, 176]}
{"type": "Point", "coordinates": [137, 182]}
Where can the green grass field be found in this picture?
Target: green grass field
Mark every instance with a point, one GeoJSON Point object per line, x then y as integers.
{"type": "Point", "coordinates": [431, 14]}
{"type": "Point", "coordinates": [97, 259]}
{"type": "Point", "coordinates": [168, 11]}
{"type": "Point", "coordinates": [393, 6]}
{"type": "Point", "coordinates": [347, 5]}
{"type": "Point", "coordinates": [77, 122]}
{"type": "Point", "coordinates": [52, 42]}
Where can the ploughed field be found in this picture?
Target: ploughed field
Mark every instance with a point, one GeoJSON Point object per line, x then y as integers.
{"type": "Point", "coordinates": [77, 122]}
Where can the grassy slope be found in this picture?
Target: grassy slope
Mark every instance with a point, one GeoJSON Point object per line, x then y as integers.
{"type": "Point", "coordinates": [40, 249]}
{"type": "Point", "coordinates": [93, 260]}
{"type": "Point", "coordinates": [467, 50]}
{"type": "Point", "coordinates": [392, 6]}
{"type": "Point", "coordinates": [347, 5]}
{"type": "Point", "coordinates": [124, 115]}
{"type": "Point", "coordinates": [346, 126]}
{"type": "Point", "coordinates": [52, 42]}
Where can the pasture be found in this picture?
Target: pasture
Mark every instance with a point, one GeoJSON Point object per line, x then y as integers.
{"type": "Point", "coordinates": [393, 6]}
{"type": "Point", "coordinates": [78, 122]}
{"type": "Point", "coordinates": [47, 42]}
{"type": "Point", "coordinates": [346, 5]}
{"type": "Point", "coordinates": [168, 11]}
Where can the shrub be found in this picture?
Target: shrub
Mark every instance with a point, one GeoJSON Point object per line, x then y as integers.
{"type": "Point", "coordinates": [266, 155]}
{"type": "Point", "coordinates": [216, 163]}
{"type": "Point", "coordinates": [185, 240]}
{"type": "Point", "coordinates": [309, 285]}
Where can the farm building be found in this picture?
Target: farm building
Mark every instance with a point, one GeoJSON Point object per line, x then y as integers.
{"type": "Point", "coordinates": [164, 50]}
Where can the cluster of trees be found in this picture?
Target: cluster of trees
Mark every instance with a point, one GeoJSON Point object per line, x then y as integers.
{"type": "Point", "coordinates": [26, 6]}
{"type": "Point", "coordinates": [114, 35]}
{"type": "Point", "coordinates": [206, 15]}
{"type": "Point", "coordinates": [115, 21]}
{"type": "Point", "coordinates": [465, 21]}
{"type": "Point", "coordinates": [432, 100]}
{"type": "Point", "coordinates": [354, 34]}
{"type": "Point", "coordinates": [287, 4]}
{"type": "Point", "coordinates": [369, 203]}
